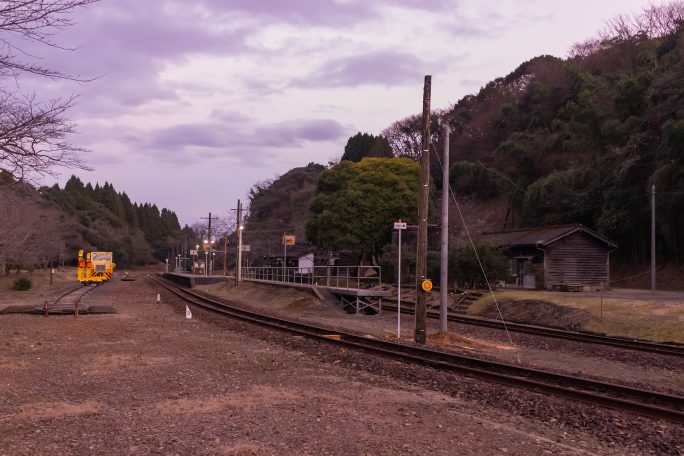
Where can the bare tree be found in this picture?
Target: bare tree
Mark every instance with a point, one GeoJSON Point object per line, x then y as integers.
{"type": "Point", "coordinates": [31, 229]}
{"type": "Point", "coordinates": [653, 21]}
{"type": "Point", "coordinates": [404, 136]}
{"type": "Point", "coordinates": [34, 134]}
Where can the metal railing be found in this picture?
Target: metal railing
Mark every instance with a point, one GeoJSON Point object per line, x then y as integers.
{"type": "Point", "coordinates": [347, 277]}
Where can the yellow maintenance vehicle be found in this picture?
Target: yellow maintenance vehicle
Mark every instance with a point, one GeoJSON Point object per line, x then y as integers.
{"type": "Point", "coordinates": [96, 267]}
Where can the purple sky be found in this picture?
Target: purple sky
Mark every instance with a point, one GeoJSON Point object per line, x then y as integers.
{"type": "Point", "coordinates": [196, 101]}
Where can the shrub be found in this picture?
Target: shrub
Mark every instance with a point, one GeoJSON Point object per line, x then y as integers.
{"type": "Point", "coordinates": [466, 268]}
{"type": "Point", "coordinates": [22, 284]}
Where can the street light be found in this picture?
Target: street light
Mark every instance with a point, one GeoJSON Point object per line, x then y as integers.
{"type": "Point", "coordinates": [194, 257]}
{"type": "Point", "coordinates": [206, 257]}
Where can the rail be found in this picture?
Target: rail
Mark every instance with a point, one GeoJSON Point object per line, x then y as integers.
{"type": "Point", "coordinates": [671, 348]}
{"type": "Point", "coordinates": [346, 277]}
{"type": "Point", "coordinates": [644, 402]}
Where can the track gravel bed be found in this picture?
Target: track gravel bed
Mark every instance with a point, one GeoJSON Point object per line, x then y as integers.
{"type": "Point", "coordinates": [633, 368]}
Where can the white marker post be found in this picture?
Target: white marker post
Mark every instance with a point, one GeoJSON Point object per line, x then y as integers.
{"type": "Point", "coordinates": [399, 226]}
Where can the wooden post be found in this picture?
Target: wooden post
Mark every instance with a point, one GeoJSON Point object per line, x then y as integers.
{"type": "Point", "coordinates": [420, 335]}
{"type": "Point", "coordinates": [653, 240]}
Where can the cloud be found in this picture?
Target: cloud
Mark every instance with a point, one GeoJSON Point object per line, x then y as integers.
{"type": "Point", "coordinates": [291, 133]}
{"type": "Point", "coordinates": [241, 140]}
{"type": "Point", "coordinates": [308, 12]}
{"type": "Point", "coordinates": [385, 67]}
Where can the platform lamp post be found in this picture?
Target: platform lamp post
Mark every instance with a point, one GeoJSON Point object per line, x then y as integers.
{"type": "Point", "coordinates": [206, 257]}
{"type": "Point", "coordinates": [194, 258]}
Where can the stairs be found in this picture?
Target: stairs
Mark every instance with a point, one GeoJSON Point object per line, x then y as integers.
{"type": "Point", "coordinates": [464, 301]}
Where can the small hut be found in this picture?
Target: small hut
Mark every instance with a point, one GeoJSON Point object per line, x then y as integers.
{"type": "Point", "coordinates": [569, 257]}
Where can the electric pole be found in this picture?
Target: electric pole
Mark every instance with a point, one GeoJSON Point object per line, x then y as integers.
{"type": "Point", "coordinates": [653, 240]}
{"type": "Point", "coordinates": [209, 241]}
{"type": "Point", "coordinates": [444, 266]}
{"type": "Point", "coordinates": [238, 257]}
{"type": "Point", "coordinates": [420, 335]}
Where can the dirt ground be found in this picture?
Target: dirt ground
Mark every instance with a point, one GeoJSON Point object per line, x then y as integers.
{"type": "Point", "coordinates": [149, 381]}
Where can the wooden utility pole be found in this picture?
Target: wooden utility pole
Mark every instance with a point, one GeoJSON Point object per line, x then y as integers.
{"type": "Point", "coordinates": [209, 229]}
{"type": "Point", "coordinates": [653, 241]}
{"type": "Point", "coordinates": [420, 335]}
{"type": "Point", "coordinates": [209, 241]}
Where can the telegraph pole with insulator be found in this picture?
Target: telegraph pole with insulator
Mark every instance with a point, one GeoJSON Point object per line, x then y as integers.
{"type": "Point", "coordinates": [420, 335]}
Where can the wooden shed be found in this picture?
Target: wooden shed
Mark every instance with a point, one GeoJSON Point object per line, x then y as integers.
{"type": "Point", "coordinates": [570, 257]}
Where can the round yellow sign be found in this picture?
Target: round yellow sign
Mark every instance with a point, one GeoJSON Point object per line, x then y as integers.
{"type": "Point", "coordinates": [427, 285]}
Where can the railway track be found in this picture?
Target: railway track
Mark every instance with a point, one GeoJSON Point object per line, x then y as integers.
{"type": "Point", "coordinates": [65, 303]}
{"type": "Point", "coordinates": [644, 402]}
{"type": "Point", "coordinates": [585, 337]}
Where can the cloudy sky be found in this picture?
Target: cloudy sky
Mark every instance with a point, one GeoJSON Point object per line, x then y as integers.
{"type": "Point", "coordinates": [195, 101]}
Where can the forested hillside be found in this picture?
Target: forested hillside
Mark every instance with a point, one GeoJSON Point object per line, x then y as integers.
{"type": "Point", "coordinates": [580, 139]}
{"type": "Point", "coordinates": [280, 206]}
{"type": "Point", "coordinates": [48, 225]}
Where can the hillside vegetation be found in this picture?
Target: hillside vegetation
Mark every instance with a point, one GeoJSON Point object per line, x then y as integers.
{"type": "Point", "coordinates": [556, 141]}
{"type": "Point", "coordinates": [583, 140]}
{"type": "Point", "coordinates": [280, 206]}
{"type": "Point", "coordinates": [48, 225]}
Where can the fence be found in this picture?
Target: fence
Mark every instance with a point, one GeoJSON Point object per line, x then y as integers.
{"type": "Point", "coordinates": [347, 277]}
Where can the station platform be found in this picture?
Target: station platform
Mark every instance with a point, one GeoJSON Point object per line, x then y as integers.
{"type": "Point", "coordinates": [356, 300]}
{"type": "Point", "coordinates": [192, 280]}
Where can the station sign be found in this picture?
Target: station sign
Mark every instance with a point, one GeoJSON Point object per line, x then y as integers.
{"type": "Point", "coordinates": [399, 225]}
{"type": "Point", "coordinates": [289, 239]}
{"type": "Point", "coordinates": [245, 248]}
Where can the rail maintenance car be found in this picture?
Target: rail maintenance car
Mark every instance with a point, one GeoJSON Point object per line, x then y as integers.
{"type": "Point", "coordinates": [95, 267]}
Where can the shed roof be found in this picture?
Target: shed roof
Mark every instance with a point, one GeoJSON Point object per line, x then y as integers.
{"type": "Point", "coordinates": [541, 236]}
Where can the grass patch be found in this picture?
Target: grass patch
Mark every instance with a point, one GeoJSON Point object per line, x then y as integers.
{"type": "Point", "coordinates": [22, 284]}
{"type": "Point", "coordinates": [657, 316]}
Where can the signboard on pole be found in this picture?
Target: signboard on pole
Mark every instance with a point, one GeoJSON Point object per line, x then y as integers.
{"type": "Point", "coordinates": [399, 226]}
{"type": "Point", "coordinates": [289, 239]}
{"type": "Point", "coordinates": [245, 248]}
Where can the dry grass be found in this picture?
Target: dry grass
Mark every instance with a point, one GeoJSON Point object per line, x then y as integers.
{"type": "Point", "coordinates": [633, 313]}
{"type": "Point", "coordinates": [41, 277]}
